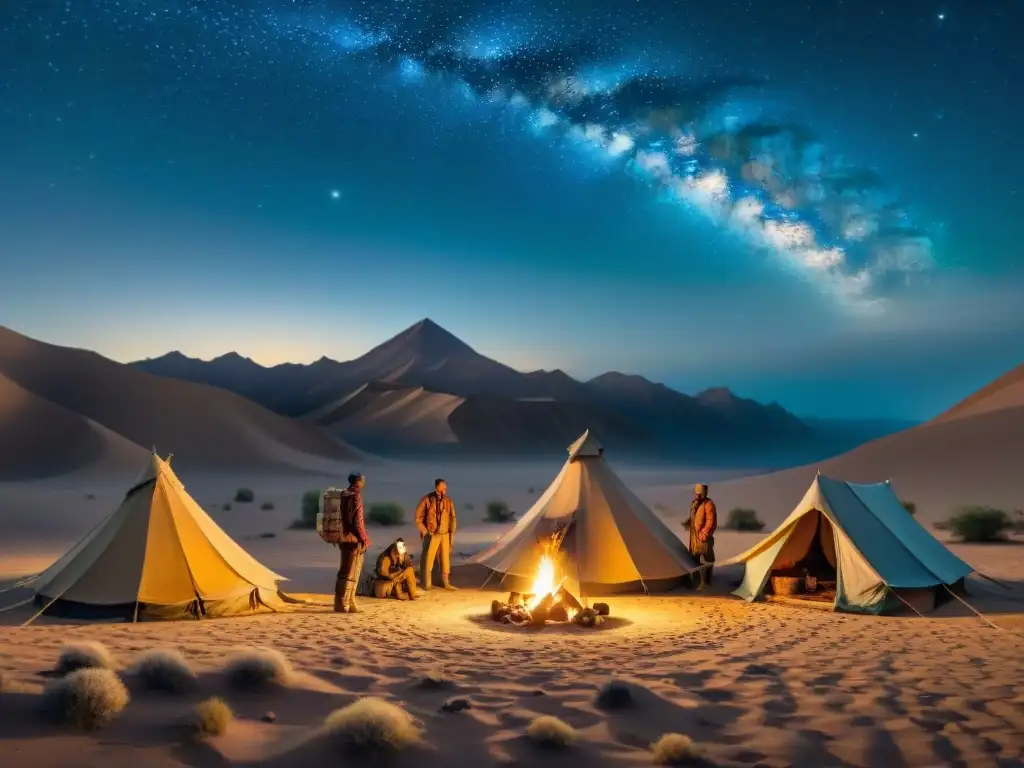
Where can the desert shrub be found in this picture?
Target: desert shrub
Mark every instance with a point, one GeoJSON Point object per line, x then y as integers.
{"type": "Point", "coordinates": [164, 670]}
{"type": "Point", "coordinates": [267, 505]}
{"type": "Point", "coordinates": [268, 535]}
{"type": "Point", "coordinates": [90, 497]}
{"type": "Point", "coordinates": [674, 749]}
{"type": "Point", "coordinates": [531, 490]}
{"type": "Point", "coordinates": [258, 668]}
{"type": "Point", "coordinates": [1018, 521]}
{"type": "Point", "coordinates": [615, 695]}
{"type": "Point", "coordinates": [386, 513]}
{"type": "Point", "coordinates": [87, 654]}
{"type": "Point", "coordinates": [551, 733]}
{"type": "Point", "coordinates": [86, 698]}
{"type": "Point", "coordinates": [941, 525]}
{"type": "Point", "coordinates": [371, 726]}
{"type": "Point", "coordinates": [469, 507]}
{"type": "Point", "coordinates": [245, 495]}
{"type": "Point", "coordinates": [659, 507]}
{"type": "Point", "coordinates": [498, 512]}
{"type": "Point", "coordinates": [211, 717]}
{"type": "Point", "coordinates": [980, 524]}
{"type": "Point", "coordinates": [743, 519]}
{"type": "Point", "coordinates": [910, 506]}
{"type": "Point", "coordinates": [309, 510]}
{"type": "Point", "coordinates": [226, 507]}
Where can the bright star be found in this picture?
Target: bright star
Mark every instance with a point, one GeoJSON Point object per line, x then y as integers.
{"type": "Point", "coordinates": [942, 16]}
{"type": "Point", "coordinates": [916, 134]}
{"type": "Point", "coordinates": [335, 194]}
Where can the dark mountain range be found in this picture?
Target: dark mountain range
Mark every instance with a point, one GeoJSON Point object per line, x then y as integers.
{"type": "Point", "coordinates": [494, 408]}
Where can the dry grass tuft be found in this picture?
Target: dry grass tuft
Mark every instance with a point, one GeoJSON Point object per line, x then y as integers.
{"type": "Point", "coordinates": [85, 698]}
{"type": "Point", "coordinates": [211, 718]}
{"type": "Point", "coordinates": [83, 655]}
{"type": "Point", "coordinates": [259, 668]}
{"type": "Point", "coordinates": [675, 749]}
{"type": "Point", "coordinates": [551, 733]}
{"type": "Point", "coordinates": [372, 726]}
{"type": "Point", "coordinates": [164, 670]}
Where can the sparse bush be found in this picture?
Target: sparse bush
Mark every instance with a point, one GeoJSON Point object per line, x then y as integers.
{"type": "Point", "coordinates": [531, 490]}
{"type": "Point", "coordinates": [226, 507]}
{"type": "Point", "coordinates": [245, 495]}
{"type": "Point", "coordinates": [910, 506]}
{"type": "Point", "coordinates": [86, 698]}
{"type": "Point", "coordinates": [980, 524]}
{"type": "Point", "coordinates": [498, 512]}
{"type": "Point", "coordinates": [211, 717]}
{"type": "Point", "coordinates": [941, 525]}
{"type": "Point", "coordinates": [268, 535]}
{"type": "Point", "coordinates": [469, 507]}
{"type": "Point", "coordinates": [164, 670]}
{"type": "Point", "coordinates": [386, 513]}
{"type": "Point", "coordinates": [258, 668]}
{"type": "Point", "coordinates": [1018, 521]}
{"type": "Point", "coordinates": [742, 519]}
{"type": "Point", "coordinates": [674, 749]}
{"type": "Point", "coordinates": [659, 507]}
{"type": "Point", "coordinates": [371, 726]}
{"type": "Point", "coordinates": [615, 695]}
{"type": "Point", "coordinates": [309, 510]}
{"type": "Point", "coordinates": [551, 733]}
{"type": "Point", "coordinates": [83, 655]}
{"type": "Point", "coordinates": [267, 505]}
{"type": "Point", "coordinates": [90, 497]}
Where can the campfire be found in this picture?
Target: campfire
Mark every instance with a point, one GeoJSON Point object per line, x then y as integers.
{"type": "Point", "coordinates": [548, 600]}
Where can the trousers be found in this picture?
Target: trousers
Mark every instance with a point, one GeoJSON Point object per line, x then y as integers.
{"type": "Point", "coordinates": [348, 572]}
{"type": "Point", "coordinates": [704, 553]}
{"type": "Point", "coordinates": [432, 545]}
{"type": "Point", "coordinates": [402, 588]}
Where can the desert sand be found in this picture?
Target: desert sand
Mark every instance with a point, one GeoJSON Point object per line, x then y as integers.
{"type": "Point", "coordinates": [760, 684]}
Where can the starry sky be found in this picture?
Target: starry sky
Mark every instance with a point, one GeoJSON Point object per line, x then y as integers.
{"type": "Point", "coordinates": [817, 202]}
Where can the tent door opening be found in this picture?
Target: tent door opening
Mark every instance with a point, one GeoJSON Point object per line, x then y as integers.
{"type": "Point", "coordinates": [809, 556]}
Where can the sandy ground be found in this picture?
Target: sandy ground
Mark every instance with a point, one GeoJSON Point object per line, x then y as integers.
{"type": "Point", "coordinates": [760, 684]}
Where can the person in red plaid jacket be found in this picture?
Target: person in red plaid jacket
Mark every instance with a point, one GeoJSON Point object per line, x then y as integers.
{"type": "Point", "coordinates": [353, 546]}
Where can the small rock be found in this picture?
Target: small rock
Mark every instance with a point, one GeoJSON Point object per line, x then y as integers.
{"type": "Point", "coordinates": [602, 609]}
{"type": "Point", "coordinates": [456, 705]}
{"type": "Point", "coordinates": [269, 717]}
{"type": "Point", "coordinates": [539, 692]}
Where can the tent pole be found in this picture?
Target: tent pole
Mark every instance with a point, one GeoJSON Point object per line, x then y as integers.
{"type": "Point", "coordinates": [135, 613]}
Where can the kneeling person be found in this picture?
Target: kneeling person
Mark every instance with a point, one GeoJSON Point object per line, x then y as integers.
{"type": "Point", "coordinates": [395, 576]}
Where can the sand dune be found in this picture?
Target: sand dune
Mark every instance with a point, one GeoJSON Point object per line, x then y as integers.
{"type": "Point", "coordinates": [39, 437]}
{"type": "Point", "coordinates": [940, 466]}
{"type": "Point", "coordinates": [379, 410]}
{"type": "Point", "coordinates": [1005, 392]}
{"type": "Point", "coordinates": [58, 391]}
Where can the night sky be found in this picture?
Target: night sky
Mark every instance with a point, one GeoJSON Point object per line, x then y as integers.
{"type": "Point", "coordinates": [814, 202]}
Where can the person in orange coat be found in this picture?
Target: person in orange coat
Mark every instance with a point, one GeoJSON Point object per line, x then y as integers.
{"type": "Point", "coordinates": [435, 519]}
{"type": "Point", "coordinates": [703, 523]}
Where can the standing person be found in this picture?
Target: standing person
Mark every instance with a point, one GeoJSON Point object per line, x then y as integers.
{"type": "Point", "coordinates": [435, 519]}
{"type": "Point", "coordinates": [703, 522]}
{"type": "Point", "coordinates": [395, 576]}
{"type": "Point", "coordinates": [353, 546]}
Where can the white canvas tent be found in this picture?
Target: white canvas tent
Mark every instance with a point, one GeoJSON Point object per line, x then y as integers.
{"type": "Point", "coordinates": [613, 542]}
{"type": "Point", "coordinates": [157, 556]}
{"type": "Point", "coordinates": [882, 557]}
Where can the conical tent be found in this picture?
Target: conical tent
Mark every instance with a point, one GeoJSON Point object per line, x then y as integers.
{"type": "Point", "coordinates": [881, 556]}
{"type": "Point", "coordinates": [157, 556]}
{"type": "Point", "coordinates": [612, 541]}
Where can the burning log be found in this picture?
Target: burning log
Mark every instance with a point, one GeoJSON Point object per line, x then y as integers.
{"type": "Point", "coordinates": [499, 610]}
{"type": "Point", "coordinates": [542, 610]}
{"type": "Point", "coordinates": [602, 609]}
{"type": "Point", "coordinates": [588, 617]}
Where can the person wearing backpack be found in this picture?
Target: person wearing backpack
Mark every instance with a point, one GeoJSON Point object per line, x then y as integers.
{"type": "Point", "coordinates": [353, 543]}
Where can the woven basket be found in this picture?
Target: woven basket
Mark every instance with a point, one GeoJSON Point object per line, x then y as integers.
{"type": "Point", "coordinates": [787, 585]}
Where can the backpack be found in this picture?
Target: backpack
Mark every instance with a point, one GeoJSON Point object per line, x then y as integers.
{"type": "Point", "coordinates": [330, 523]}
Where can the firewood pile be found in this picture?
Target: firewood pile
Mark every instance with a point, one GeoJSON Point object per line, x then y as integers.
{"type": "Point", "coordinates": [560, 606]}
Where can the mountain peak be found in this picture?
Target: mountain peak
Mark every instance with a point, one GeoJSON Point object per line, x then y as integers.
{"type": "Point", "coordinates": [717, 395]}
{"type": "Point", "coordinates": [431, 337]}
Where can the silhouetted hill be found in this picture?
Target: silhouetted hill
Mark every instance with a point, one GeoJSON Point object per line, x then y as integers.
{"type": "Point", "coordinates": [73, 409]}
{"type": "Point", "coordinates": [377, 398]}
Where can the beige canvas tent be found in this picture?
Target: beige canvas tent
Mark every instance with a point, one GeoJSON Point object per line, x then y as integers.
{"type": "Point", "coordinates": [157, 556]}
{"type": "Point", "coordinates": [612, 542]}
{"type": "Point", "coordinates": [862, 539]}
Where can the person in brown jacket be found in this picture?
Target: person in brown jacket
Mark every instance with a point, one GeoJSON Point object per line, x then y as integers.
{"type": "Point", "coordinates": [353, 546]}
{"type": "Point", "coordinates": [435, 519]}
{"type": "Point", "coordinates": [395, 576]}
{"type": "Point", "coordinates": [703, 522]}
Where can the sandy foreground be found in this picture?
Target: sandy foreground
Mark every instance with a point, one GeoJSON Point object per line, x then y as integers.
{"type": "Point", "coordinates": [759, 684]}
